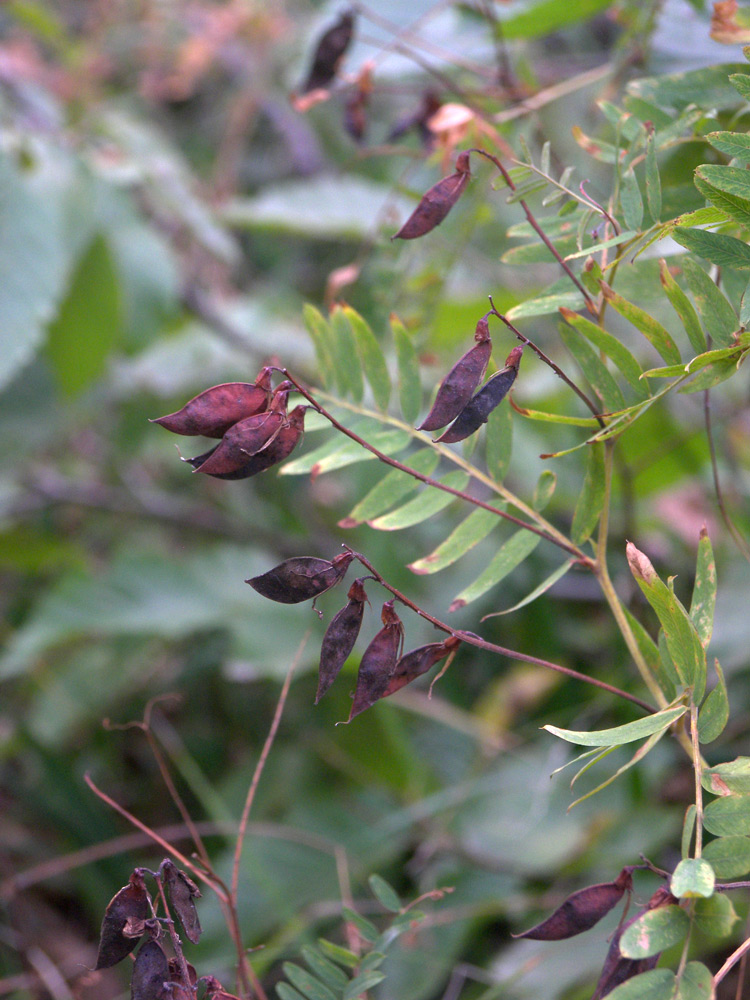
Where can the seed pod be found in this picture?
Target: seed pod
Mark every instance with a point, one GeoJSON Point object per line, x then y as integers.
{"type": "Point", "coordinates": [279, 448]}
{"type": "Point", "coordinates": [301, 578]}
{"type": "Point", "coordinates": [329, 52]}
{"type": "Point", "coordinates": [457, 387]}
{"type": "Point", "coordinates": [130, 904]}
{"type": "Point", "coordinates": [211, 413]}
{"type": "Point", "coordinates": [341, 634]}
{"type": "Point", "coordinates": [246, 438]}
{"type": "Point", "coordinates": [378, 661]}
{"type": "Point", "coordinates": [479, 407]}
{"type": "Point", "coordinates": [418, 662]}
{"type": "Point", "coordinates": [582, 910]}
{"type": "Point", "coordinates": [150, 973]}
{"type": "Point", "coordinates": [436, 203]}
{"type": "Point", "coordinates": [418, 120]}
{"type": "Point", "coordinates": [182, 890]}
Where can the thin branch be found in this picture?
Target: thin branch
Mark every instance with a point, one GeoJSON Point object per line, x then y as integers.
{"type": "Point", "coordinates": [736, 955]}
{"type": "Point", "coordinates": [697, 770]}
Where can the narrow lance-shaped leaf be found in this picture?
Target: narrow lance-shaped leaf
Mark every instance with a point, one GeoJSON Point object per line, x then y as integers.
{"type": "Point", "coordinates": [581, 910]}
{"type": "Point", "coordinates": [435, 204]}
{"type": "Point", "coordinates": [125, 911]}
{"type": "Point", "coordinates": [651, 328]}
{"type": "Point", "coordinates": [684, 308]}
{"type": "Point", "coordinates": [409, 386]}
{"type": "Point", "coordinates": [610, 346]}
{"type": "Point", "coordinates": [653, 181]}
{"type": "Point", "coordinates": [480, 406]}
{"type": "Point", "coordinates": [464, 537]}
{"type": "Point", "coordinates": [418, 662]}
{"type": "Point", "coordinates": [631, 200]}
{"type": "Point", "coordinates": [499, 441]}
{"type": "Point", "coordinates": [378, 661]}
{"type": "Point", "coordinates": [340, 637]}
{"type": "Point", "coordinates": [714, 713]}
{"type": "Point", "coordinates": [727, 188]}
{"type": "Point", "coordinates": [301, 578]}
{"type": "Point", "coordinates": [722, 250]}
{"type": "Point", "coordinates": [715, 310]}
{"type": "Point", "coordinates": [392, 488]}
{"type": "Point", "coordinates": [347, 360]}
{"type": "Point", "coordinates": [311, 987]}
{"type": "Point", "coordinates": [618, 735]}
{"type": "Point", "coordinates": [704, 591]}
{"type": "Point", "coordinates": [371, 356]}
{"type": "Point", "coordinates": [212, 412]}
{"type": "Point", "coordinates": [182, 893]}
{"type": "Point", "coordinates": [510, 554]}
{"type": "Point", "coordinates": [591, 500]}
{"type": "Point", "coordinates": [459, 384]}
{"type": "Point", "coordinates": [594, 369]}
{"type": "Point", "coordinates": [329, 52]}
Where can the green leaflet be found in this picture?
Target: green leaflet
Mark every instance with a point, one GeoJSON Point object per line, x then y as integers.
{"type": "Point", "coordinates": [463, 538]}
{"type": "Point", "coordinates": [725, 251]}
{"type": "Point", "coordinates": [428, 502]}
{"type": "Point", "coordinates": [409, 386]}
{"type": "Point", "coordinates": [499, 441]}
{"type": "Point", "coordinates": [645, 748]}
{"type": "Point", "coordinates": [704, 590]}
{"type": "Point", "coordinates": [538, 253]}
{"type": "Point", "coordinates": [286, 992]}
{"type": "Point", "coordinates": [713, 373]}
{"type": "Point", "coordinates": [618, 735]}
{"type": "Point", "coordinates": [346, 354]}
{"type": "Point", "coordinates": [611, 346]}
{"type": "Point", "coordinates": [728, 856]}
{"type": "Point", "coordinates": [688, 828]}
{"type": "Point", "coordinates": [741, 83]}
{"type": "Point", "coordinates": [320, 334]}
{"type": "Point", "coordinates": [591, 500]}
{"type": "Point", "coordinates": [549, 301]}
{"type": "Point", "coordinates": [360, 984]}
{"type": "Point", "coordinates": [684, 308]}
{"type": "Point", "coordinates": [629, 234]}
{"type": "Point", "coordinates": [324, 969]}
{"type": "Point", "coordinates": [341, 955]}
{"type": "Point", "coordinates": [631, 200]}
{"type": "Point", "coordinates": [542, 588]}
{"type": "Point", "coordinates": [543, 490]}
{"type": "Point", "coordinates": [594, 370]}
{"type": "Point", "coordinates": [714, 713]}
{"type": "Point", "coordinates": [732, 776]}
{"type": "Point", "coordinates": [547, 16]}
{"type": "Point", "coordinates": [715, 916]}
{"type": "Point", "coordinates": [727, 189]}
{"type": "Point", "coordinates": [334, 455]}
{"type": "Point", "coordinates": [650, 652]}
{"type": "Point", "coordinates": [708, 88]}
{"type": "Point", "coordinates": [652, 330]}
{"type": "Point", "coordinates": [693, 878]}
{"type": "Point", "coordinates": [392, 488]}
{"type": "Point", "coordinates": [654, 931]}
{"type": "Point", "coordinates": [658, 984]}
{"type": "Point", "coordinates": [372, 358]}
{"type": "Point", "coordinates": [510, 554]}
{"type": "Point", "coordinates": [384, 893]}
{"type": "Point", "coordinates": [728, 816]}
{"type": "Point", "coordinates": [308, 985]}
{"type": "Point", "coordinates": [556, 418]}
{"type": "Point", "coordinates": [734, 144]}
{"type": "Point", "coordinates": [653, 181]}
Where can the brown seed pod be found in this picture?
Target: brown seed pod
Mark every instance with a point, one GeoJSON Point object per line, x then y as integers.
{"type": "Point", "coordinates": [329, 52]}
{"type": "Point", "coordinates": [301, 578]}
{"type": "Point", "coordinates": [418, 120]}
{"type": "Point", "coordinates": [378, 661]}
{"type": "Point", "coordinates": [479, 407]}
{"type": "Point", "coordinates": [582, 910]}
{"type": "Point", "coordinates": [418, 662]}
{"type": "Point", "coordinates": [340, 636]}
{"type": "Point", "coordinates": [150, 973]}
{"type": "Point", "coordinates": [211, 413]}
{"type": "Point", "coordinates": [279, 448]}
{"type": "Point", "coordinates": [436, 203]}
{"type": "Point", "coordinates": [130, 904]}
{"type": "Point", "coordinates": [246, 438]}
{"type": "Point", "coordinates": [457, 387]}
{"type": "Point", "coordinates": [182, 891]}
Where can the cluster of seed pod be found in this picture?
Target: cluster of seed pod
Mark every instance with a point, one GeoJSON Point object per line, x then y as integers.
{"type": "Point", "coordinates": [384, 667]}
{"type": "Point", "coordinates": [252, 421]}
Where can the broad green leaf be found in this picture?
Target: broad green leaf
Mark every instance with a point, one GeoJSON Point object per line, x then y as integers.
{"type": "Point", "coordinates": [693, 877]}
{"type": "Point", "coordinates": [707, 88]}
{"type": "Point", "coordinates": [611, 346]}
{"type": "Point", "coordinates": [543, 490]}
{"type": "Point", "coordinates": [695, 983]}
{"type": "Point", "coordinates": [510, 554]}
{"type": "Point", "coordinates": [741, 83]}
{"type": "Point", "coordinates": [409, 387]}
{"type": "Point", "coordinates": [731, 777]}
{"type": "Point", "coordinates": [499, 441]}
{"type": "Point", "coordinates": [618, 735]}
{"type": "Point", "coordinates": [324, 969]}
{"type": "Point", "coordinates": [683, 642]}
{"type": "Point", "coordinates": [652, 330]}
{"type": "Point", "coordinates": [704, 589]}
{"type": "Point", "coordinates": [372, 358]}
{"type": "Point", "coordinates": [658, 984]}
{"type": "Point", "coordinates": [724, 251]}
{"type": "Point", "coordinates": [591, 498]}
{"type": "Point", "coordinates": [650, 653]}
{"type": "Point", "coordinates": [346, 354]}
{"type": "Point", "coordinates": [542, 588]}
{"type": "Point", "coordinates": [384, 893]}
{"type": "Point", "coordinates": [343, 956]}
{"type": "Point", "coordinates": [714, 713]}
{"type": "Point", "coordinates": [683, 307]}
{"type": "Point", "coordinates": [547, 16]}
{"type": "Point", "coordinates": [734, 144]}
{"type": "Point", "coordinates": [392, 488]}
{"type": "Point", "coordinates": [286, 992]}
{"type": "Point", "coordinates": [631, 200]}
{"type": "Point", "coordinates": [716, 916]}
{"type": "Point", "coordinates": [309, 985]}
{"type": "Point", "coordinates": [423, 506]}
{"type": "Point", "coordinates": [463, 538]}
{"type": "Point", "coordinates": [360, 984]}
{"type": "Point", "coordinates": [366, 928]}
{"type": "Point", "coordinates": [594, 370]}
{"type": "Point", "coordinates": [647, 112]}
{"type": "Point", "coordinates": [728, 816]}
{"type": "Point", "coordinates": [653, 181]}
{"type": "Point", "coordinates": [727, 189]}
{"type": "Point", "coordinates": [729, 856]}
{"type": "Point", "coordinates": [561, 293]}
{"type": "Point", "coordinates": [334, 455]}
{"type": "Point", "coordinates": [320, 334]}
{"type": "Point", "coordinates": [87, 325]}
{"type": "Point", "coordinates": [688, 828]}
{"type": "Point", "coordinates": [654, 931]}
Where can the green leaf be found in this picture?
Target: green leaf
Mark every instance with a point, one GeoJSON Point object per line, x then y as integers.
{"type": "Point", "coordinates": [591, 499]}
{"type": "Point", "coordinates": [593, 248]}
{"type": "Point", "coordinates": [658, 984]}
{"type": "Point", "coordinates": [320, 334]}
{"type": "Point", "coordinates": [653, 181]}
{"type": "Point", "coordinates": [464, 537]}
{"type": "Point", "coordinates": [594, 370]}
{"type": "Point", "coordinates": [372, 358]}
{"type": "Point", "coordinates": [510, 554]}
{"type": "Point", "coordinates": [376, 958]}
{"type": "Point", "coordinates": [549, 301]}
{"type": "Point", "coordinates": [707, 88]}
{"type": "Point", "coordinates": [714, 713]}
{"type": "Point", "coordinates": [716, 916]}
{"type": "Point", "coordinates": [392, 488]}
{"type": "Point", "coordinates": [309, 985]}
{"type": "Point", "coordinates": [695, 983]}
{"type": "Point", "coordinates": [693, 877]}
{"type": "Point", "coordinates": [724, 251]}
{"type": "Point", "coordinates": [542, 588]}
{"type": "Point", "coordinates": [631, 200]}
{"type": "Point", "coordinates": [409, 387]}
{"type": "Point", "coordinates": [645, 748]}
{"type": "Point", "coordinates": [728, 856]}
{"type": "Point", "coordinates": [547, 16]}
{"type": "Point", "coordinates": [733, 776]}
{"type": "Point", "coordinates": [728, 816]}
{"type": "Point", "coordinates": [341, 955]}
{"type": "Point", "coordinates": [286, 992]}
{"type": "Point", "coordinates": [727, 189]}
{"type": "Point", "coordinates": [366, 928]}
{"type": "Point", "coordinates": [617, 736]}
{"type": "Point", "coordinates": [543, 490]}
{"type": "Point", "coordinates": [654, 931]}
{"type": "Point", "coordinates": [713, 373]}
{"type": "Point", "coordinates": [688, 828]}
{"type": "Point", "coordinates": [650, 652]}
{"type": "Point", "coordinates": [651, 328]}
{"type": "Point", "coordinates": [325, 970]}
{"type": "Point", "coordinates": [87, 325]}
{"type": "Point", "coordinates": [555, 418]}
{"type": "Point", "coordinates": [704, 589]}
{"type": "Point", "coordinates": [734, 144]}
{"type": "Point", "coordinates": [683, 307]}
{"type": "Point", "coordinates": [360, 984]}
{"type": "Point", "coordinates": [384, 893]}
{"type": "Point", "coordinates": [538, 253]}
{"type": "Point", "coordinates": [347, 359]}
{"type": "Point", "coordinates": [741, 83]}
{"type": "Point", "coordinates": [334, 455]}
{"type": "Point", "coordinates": [499, 441]}
{"type": "Point", "coordinates": [745, 307]}
{"type": "Point", "coordinates": [423, 506]}
{"type": "Point", "coordinates": [612, 347]}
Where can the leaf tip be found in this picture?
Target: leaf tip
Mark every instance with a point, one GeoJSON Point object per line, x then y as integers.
{"type": "Point", "coordinates": [640, 565]}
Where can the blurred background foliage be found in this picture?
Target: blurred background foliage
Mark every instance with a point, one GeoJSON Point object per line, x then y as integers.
{"type": "Point", "coordinates": [164, 213]}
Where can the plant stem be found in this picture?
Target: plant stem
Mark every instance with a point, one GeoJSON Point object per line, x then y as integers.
{"type": "Point", "coordinates": [736, 955]}
{"type": "Point", "coordinates": [697, 770]}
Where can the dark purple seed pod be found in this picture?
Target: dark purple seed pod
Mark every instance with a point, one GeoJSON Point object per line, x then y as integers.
{"type": "Point", "coordinates": [435, 204]}
{"type": "Point", "coordinates": [582, 910]}
{"type": "Point", "coordinates": [480, 406]}
{"type": "Point", "coordinates": [128, 906]}
{"type": "Point", "coordinates": [459, 384]}
{"type": "Point", "coordinates": [378, 661]}
{"type": "Point", "coordinates": [418, 662]}
{"type": "Point", "coordinates": [301, 578]}
{"type": "Point", "coordinates": [211, 413]}
{"type": "Point", "coordinates": [340, 637]}
{"type": "Point", "coordinates": [242, 441]}
{"type": "Point", "coordinates": [182, 891]}
{"type": "Point", "coordinates": [329, 52]}
{"type": "Point", "coordinates": [150, 973]}
{"type": "Point", "coordinates": [277, 450]}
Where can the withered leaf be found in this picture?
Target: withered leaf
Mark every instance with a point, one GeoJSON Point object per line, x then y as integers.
{"type": "Point", "coordinates": [418, 120]}
{"type": "Point", "coordinates": [329, 52]}
{"type": "Point", "coordinates": [150, 973]}
{"type": "Point", "coordinates": [301, 578]}
{"type": "Point", "coordinates": [435, 204]}
{"type": "Point", "coordinates": [378, 661]}
{"type": "Point", "coordinates": [457, 387]}
{"type": "Point", "coordinates": [355, 114]}
{"type": "Point", "coordinates": [582, 910]}
{"type": "Point", "coordinates": [479, 407]}
{"type": "Point", "coordinates": [340, 637]}
{"type": "Point", "coordinates": [129, 904]}
{"type": "Point", "coordinates": [211, 413]}
{"type": "Point", "coordinates": [419, 661]}
{"type": "Point", "coordinates": [278, 449]}
{"type": "Point", "coordinates": [182, 891]}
